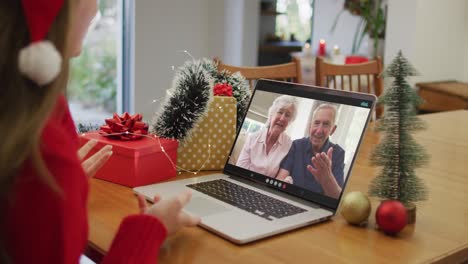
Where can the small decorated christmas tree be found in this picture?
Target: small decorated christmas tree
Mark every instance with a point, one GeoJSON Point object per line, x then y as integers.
{"type": "Point", "coordinates": [398, 153]}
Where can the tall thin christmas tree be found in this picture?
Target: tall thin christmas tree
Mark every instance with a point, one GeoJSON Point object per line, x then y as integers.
{"type": "Point", "coordinates": [398, 153]}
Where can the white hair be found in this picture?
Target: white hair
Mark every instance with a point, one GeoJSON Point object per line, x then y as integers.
{"type": "Point", "coordinates": [283, 102]}
{"type": "Point", "coordinates": [326, 106]}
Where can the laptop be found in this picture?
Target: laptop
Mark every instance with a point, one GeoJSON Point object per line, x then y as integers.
{"type": "Point", "coordinates": [243, 204]}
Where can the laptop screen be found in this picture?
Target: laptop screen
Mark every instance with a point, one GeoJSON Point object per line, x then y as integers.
{"type": "Point", "coordinates": [300, 139]}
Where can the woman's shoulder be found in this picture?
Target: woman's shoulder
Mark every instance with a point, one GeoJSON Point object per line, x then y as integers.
{"type": "Point", "coordinates": [59, 136]}
{"type": "Point", "coordinates": [257, 135]}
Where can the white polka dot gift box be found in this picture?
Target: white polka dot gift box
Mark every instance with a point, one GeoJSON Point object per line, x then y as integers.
{"type": "Point", "coordinates": [211, 140]}
{"type": "Point", "coordinates": [202, 111]}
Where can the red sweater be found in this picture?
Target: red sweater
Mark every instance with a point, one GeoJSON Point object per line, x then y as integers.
{"type": "Point", "coordinates": [43, 227]}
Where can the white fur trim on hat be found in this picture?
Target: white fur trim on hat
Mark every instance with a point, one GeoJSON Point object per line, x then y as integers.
{"type": "Point", "coordinates": [40, 62]}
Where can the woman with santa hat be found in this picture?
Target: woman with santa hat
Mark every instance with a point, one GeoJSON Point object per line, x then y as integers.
{"type": "Point", "coordinates": [43, 179]}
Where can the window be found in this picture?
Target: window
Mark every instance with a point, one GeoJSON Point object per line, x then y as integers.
{"type": "Point", "coordinates": [250, 126]}
{"type": "Point", "coordinates": [296, 23]}
{"type": "Point", "coordinates": [98, 83]}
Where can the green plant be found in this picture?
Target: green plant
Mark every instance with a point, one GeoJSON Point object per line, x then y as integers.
{"type": "Point", "coordinates": [295, 19]}
{"type": "Point", "coordinates": [372, 21]}
{"type": "Point", "coordinates": [87, 127]}
{"type": "Point", "coordinates": [93, 76]}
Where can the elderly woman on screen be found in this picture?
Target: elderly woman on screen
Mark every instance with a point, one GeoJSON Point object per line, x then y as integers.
{"type": "Point", "coordinates": [264, 149]}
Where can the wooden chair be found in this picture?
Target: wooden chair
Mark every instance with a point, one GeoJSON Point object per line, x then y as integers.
{"type": "Point", "coordinates": [284, 72]}
{"type": "Point", "coordinates": [362, 77]}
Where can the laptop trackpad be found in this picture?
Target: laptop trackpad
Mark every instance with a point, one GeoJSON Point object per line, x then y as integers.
{"type": "Point", "coordinates": [203, 207]}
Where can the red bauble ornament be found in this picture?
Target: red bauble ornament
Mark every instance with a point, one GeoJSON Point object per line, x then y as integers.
{"type": "Point", "coordinates": [391, 216]}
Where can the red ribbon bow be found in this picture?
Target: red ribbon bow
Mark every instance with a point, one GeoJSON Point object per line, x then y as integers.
{"type": "Point", "coordinates": [125, 127]}
{"type": "Point", "coordinates": [222, 89]}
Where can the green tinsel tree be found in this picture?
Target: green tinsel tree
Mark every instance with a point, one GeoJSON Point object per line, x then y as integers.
{"type": "Point", "coordinates": [190, 95]}
{"type": "Point", "coordinates": [187, 102]}
{"type": "Point", "coordinates": [240, 88]}
{"type": "Point", "coordinates": [398, 153]}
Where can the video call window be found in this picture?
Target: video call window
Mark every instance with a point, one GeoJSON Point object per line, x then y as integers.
{"type": "Point", "coordinates": [290, 119]}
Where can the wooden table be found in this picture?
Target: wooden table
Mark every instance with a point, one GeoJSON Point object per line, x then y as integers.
{"type": "Point", "coordinates": [439, 235]}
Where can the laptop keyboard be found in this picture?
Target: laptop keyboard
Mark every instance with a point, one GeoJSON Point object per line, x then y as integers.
{"type": "Point", "coordinates": [247, 199]}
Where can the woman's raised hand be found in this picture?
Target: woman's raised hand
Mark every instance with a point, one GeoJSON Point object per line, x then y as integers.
{"type": "Point", "coordinates": [169, 211]}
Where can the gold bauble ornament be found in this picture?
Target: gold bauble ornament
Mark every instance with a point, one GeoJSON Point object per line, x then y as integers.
{"type": "Point", "coordinates": [355, 208]}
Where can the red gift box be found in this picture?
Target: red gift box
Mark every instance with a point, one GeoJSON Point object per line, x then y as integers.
{"type": "Point", "coordinates": [136, 162]}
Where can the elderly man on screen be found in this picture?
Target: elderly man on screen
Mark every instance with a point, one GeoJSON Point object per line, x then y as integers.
{"type": "Point", "coordinates": [314, 162]}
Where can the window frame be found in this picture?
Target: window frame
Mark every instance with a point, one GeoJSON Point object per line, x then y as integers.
{"type": "Point", "coordinates": [125, 98]}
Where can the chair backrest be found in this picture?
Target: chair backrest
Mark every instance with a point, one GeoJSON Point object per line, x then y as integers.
{"type": "Point", "coordinates": [284, 72]}
{"type": "Point", "coordinates": [362, 77]}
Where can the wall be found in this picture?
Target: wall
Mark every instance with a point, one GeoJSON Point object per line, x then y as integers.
{"type": "Point", "coordinates": [267, 24]}
{"type": "Point", "coordinates": [241, 26]}
{"type": "Point", "coordinates": [233, 10]}
{"type": "Point", "coordinates": [162, 30]}
{"type": "Point", "coordinates": [205, 28]}
{"type": "Point", "coordinates": [216, 28]}
{"type": "Point", "coordinates": [465, 68]}
{"type": "Point", "coordinates": [433, 36]}
{"type": "Point", "coordinates": [250, 42]}
{"type": "Point", "coordinates": [401, 28]}
{"type": "Point", "coordinates": [440, 39]}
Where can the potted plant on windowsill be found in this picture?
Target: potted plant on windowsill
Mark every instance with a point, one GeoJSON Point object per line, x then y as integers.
{"type": "Point", "coordinates": [372, 22]}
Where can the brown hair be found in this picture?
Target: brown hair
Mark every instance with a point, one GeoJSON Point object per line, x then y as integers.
{"type": "Point", "coordinates": [24, 106]}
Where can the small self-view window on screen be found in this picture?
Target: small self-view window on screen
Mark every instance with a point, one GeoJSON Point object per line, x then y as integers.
{"type": "Point", "coordinates": [305, 142]}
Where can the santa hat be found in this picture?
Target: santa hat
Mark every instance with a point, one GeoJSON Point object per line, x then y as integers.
{"type": "Point", "coordinates": [40, 61]}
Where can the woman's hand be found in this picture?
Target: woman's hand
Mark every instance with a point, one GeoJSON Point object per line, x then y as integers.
{"type": "Point", "coordinates": [169, 211]}
{"type": "Point", "coordinates": [92, 164]}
